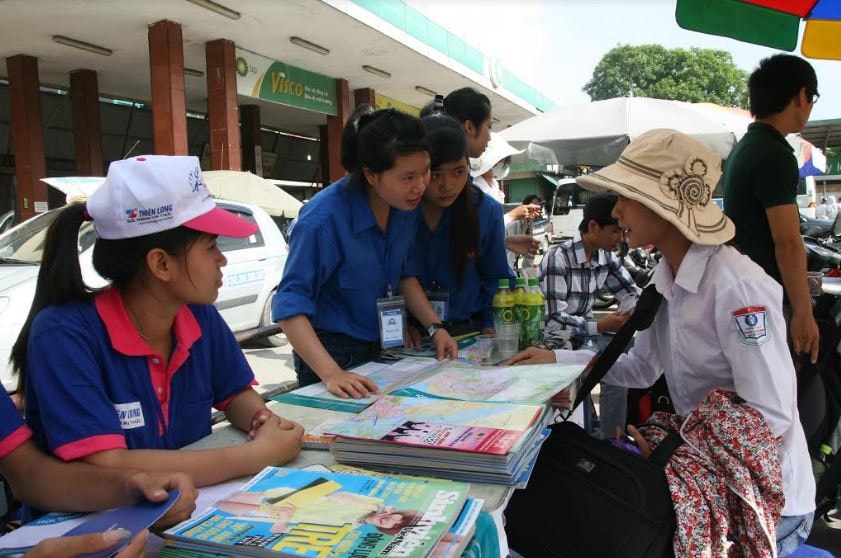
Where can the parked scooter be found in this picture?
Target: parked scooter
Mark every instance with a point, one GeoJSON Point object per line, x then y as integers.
{"type": "Point", "coordinates": [640, 264]}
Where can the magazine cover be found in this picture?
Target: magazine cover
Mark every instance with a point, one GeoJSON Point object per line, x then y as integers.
{"type": "Point", "coordinates": [391, 413]}
{"type": "Point", "coordinates": [496, 441]}
{"type": "Point", "coordinates": [293, 512]}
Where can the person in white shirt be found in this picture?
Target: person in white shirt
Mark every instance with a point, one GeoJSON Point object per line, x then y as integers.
{"type": "Point", "coordinates": [720, 324]}
{"type": "Point", "coordinates": [487, 170]}
{"type": "Point", "coordinates": [831, 208]}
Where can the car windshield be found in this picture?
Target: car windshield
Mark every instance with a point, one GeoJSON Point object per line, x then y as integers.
{"type": "Point", "coordinates": [25, 244]}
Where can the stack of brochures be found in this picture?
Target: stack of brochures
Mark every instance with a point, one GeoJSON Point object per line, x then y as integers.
{"type": "Point", "coordinates": [462, 440]}
{"type": "Point", "coordinates": [292, 512]}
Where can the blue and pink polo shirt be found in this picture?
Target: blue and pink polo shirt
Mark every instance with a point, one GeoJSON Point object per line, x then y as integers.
{"type": "Point", "coordinates": [95, 385]}
{"type": "Point", "coordinates": [13, 431]}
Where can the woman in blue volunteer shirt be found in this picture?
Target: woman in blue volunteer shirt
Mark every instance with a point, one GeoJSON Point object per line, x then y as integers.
{"type": "Point", "coordinates": [472, 110]}
{"type": "Point", "coordinates": [121, 376]}
{"type": "Point", "coordinates": [461, 238]}
{"type": "Point", "coordinates": [351, 247]}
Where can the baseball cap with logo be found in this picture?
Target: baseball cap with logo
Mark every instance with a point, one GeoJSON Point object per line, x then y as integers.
{"type": "Point", "coordinates": [154, 193]}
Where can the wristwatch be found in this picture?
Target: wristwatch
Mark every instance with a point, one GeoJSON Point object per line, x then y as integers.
{"type": "Point", "coordinates": [433, 328]}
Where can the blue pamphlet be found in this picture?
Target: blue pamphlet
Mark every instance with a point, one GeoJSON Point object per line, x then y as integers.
{"type": "Point", "coordinates": [131, 518]}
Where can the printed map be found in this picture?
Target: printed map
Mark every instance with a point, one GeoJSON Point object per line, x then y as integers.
{"type": "Point", "coordinates": [512, 384]}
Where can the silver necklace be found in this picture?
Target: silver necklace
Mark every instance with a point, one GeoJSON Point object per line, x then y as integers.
{"type": "Point", "coordinates": [136, 325]}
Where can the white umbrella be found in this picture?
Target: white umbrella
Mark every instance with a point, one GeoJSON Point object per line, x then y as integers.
{"type": "Point", "coordinates": [596, 133]}
{"type": "Point", "coordinates": [75, 188]}
{"type": "Point", "coordinates": [227, 185]}
{"type": "Point", "coordinates": [249, 188]}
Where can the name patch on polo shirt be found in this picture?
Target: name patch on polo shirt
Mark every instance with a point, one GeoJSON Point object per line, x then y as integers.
{"type": "Point", "coordinates": [130, 414]}
{"type": "Point", "coordinates": [751, 325]}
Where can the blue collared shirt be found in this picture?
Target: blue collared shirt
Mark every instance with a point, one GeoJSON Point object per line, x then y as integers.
{"type": "Point", "coordinates": [94, 385]}
{"type": "Point", "coordinates": [340, 261]}
{"type": "Point", "coordinates": [13, 432]}
{"type": "Point", "coordinates": [476, 291]}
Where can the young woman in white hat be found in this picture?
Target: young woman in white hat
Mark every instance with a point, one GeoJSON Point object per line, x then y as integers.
{"type": "Point", "coordinates": [720, 324]}
{"type": "Point", "coordinates": [121, 376]}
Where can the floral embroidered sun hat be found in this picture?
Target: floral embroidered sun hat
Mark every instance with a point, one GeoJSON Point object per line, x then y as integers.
{"type": "Point", "coordinates": [674, 176]}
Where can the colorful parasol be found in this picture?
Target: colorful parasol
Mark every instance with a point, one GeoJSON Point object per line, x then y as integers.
{"type": "Point", "coordinates": [771, 23]}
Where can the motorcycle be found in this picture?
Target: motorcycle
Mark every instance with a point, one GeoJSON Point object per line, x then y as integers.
{"type": "Point", "coordinates": [639, 263]}
{"type": "Point", "coordinates": [821, 254]}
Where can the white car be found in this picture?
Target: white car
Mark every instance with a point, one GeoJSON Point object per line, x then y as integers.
{"type": "Point", "coordinates": [255, 265]}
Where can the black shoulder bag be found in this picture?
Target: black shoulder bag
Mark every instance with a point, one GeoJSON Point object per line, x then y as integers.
{"type": "Point", "coordinates": [588, 498]}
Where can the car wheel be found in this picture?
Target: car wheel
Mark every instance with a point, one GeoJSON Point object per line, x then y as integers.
{"type": "Point", "coordinates": [278, 340]}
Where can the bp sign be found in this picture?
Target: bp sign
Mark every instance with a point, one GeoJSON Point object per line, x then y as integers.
{"type": "Point", "coordinates": [278, 82]}
{"type": "Point", "coordinates": [833, 166]}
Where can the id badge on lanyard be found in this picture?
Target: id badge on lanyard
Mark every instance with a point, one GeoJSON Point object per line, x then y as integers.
{"type": "Point", "coordinates": [391, 313]}
{"type": "Point", "coordinates": [440, 301]}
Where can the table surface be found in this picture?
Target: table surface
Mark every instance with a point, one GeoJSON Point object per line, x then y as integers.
{"type": "Point", "coordinates": [494, 495]}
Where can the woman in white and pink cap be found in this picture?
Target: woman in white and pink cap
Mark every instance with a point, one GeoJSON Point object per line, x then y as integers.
{"type": "Point", "coordinates": [119, 377]}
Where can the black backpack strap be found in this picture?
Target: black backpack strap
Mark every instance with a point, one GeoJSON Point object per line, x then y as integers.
{"type": "Point", "coordinates": [665, 449]}
{"type": "Point", "coordinates": [646, 309]}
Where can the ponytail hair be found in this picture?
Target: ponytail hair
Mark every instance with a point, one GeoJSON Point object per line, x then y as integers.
{"type": "Point", "coordinates": [348, 145]}
{"type": "Point", "coordinates": [120, 261]}
{"type": "Point", "coordinates": [59, 278]}
{"type": "Point", "coordinates": [375, 140]}
{"type": "Point", "coordinates": [448, 144]}
{"type": "Point", "coordinates": [467, 104]}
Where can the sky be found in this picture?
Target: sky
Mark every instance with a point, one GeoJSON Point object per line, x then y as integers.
{"type": "Point", "coordinates": [554, 45]}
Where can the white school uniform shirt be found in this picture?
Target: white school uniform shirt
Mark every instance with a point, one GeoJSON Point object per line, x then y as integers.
{"type": "Point", "coordinates": [720, 325]}
{"type": "Point", "coordinates": [493, 190]}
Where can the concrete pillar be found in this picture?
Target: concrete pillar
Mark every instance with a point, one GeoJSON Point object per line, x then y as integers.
{"type": "Point", "coordinates": [365, 95]}
{"type": "Point", "coordinates": [30, 163]}
{"type": "Point", "coordinates": [334, 130]}
{"type": "Point", "coordinates": [252, 139]}
{"type": "Point", "coordinates": [222, 111]}
{"type": "Point", "coordinates": [87, 124]}
{"type": "Point", "coordinates": [323, 155]}
{"type": "Point", "coordinates": [169, 112]}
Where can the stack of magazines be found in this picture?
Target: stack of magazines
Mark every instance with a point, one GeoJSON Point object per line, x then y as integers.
{"type": "Point", "coordinates": [495, 443]}
{"type": "Point", "coordinates": [292, 512]}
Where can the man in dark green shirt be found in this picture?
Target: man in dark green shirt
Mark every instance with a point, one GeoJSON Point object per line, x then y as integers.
{"type": "Point", "coordinates": [760, 186]}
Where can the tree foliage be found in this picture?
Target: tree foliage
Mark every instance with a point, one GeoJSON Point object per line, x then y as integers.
{"type": "Point", "coordinates": [832, 152]}
{"type": "Point", "coordinates": [694, 75]}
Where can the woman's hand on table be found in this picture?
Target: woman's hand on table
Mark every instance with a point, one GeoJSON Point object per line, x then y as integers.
{"type": "Point", "coordinates": [532, 355]}
{"type": "Point", "coordinates": [89, 544]}
{"type": "Point", "coordinates": [276, 442]}
{"type": "Point", "coordinates": [349, 384]}
{"type": "Point", "coordinates": [260, 417]}
{"type": "Point", "coordinates": [445, 345]}
{"type": "Point", "coordinates": [154, 487]}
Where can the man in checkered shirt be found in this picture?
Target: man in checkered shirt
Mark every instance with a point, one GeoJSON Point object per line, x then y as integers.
{"type": "Point", "coordinates": [571, 274]}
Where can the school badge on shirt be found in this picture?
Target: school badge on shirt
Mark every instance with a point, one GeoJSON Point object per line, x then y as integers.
{"type": "Point", "coordinates": [131, 415]}
{"type": "Point", "coordinates": [751, 324]}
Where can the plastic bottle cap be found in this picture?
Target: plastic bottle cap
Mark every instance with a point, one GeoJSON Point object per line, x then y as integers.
{"type": "Point", "coordinates": [520, 282]}
{"type": "Point", "coordinates": [503, 283]}
{"type": "Point", "coordinates": [826, 449]}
